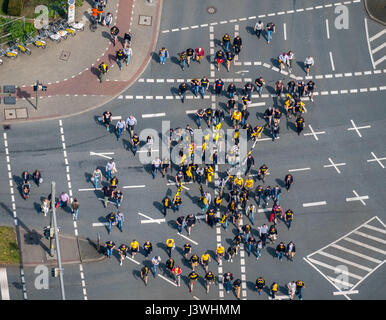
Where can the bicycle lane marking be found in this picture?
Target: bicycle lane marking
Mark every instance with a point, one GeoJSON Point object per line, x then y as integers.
{"type": "Point", "coordinates": [68, 176]}
{"type": "Point", "coordinates": [5, 139]}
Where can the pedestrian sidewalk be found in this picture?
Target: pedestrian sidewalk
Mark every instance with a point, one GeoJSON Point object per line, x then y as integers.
{"type": "Point", "coordinates": [35, 249]}
{"type": "Point", "coordinates": [81, 90]}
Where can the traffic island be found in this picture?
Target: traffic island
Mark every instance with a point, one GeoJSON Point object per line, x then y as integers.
{"type": "Point", "coordinates": [9, 250]}
{"type": "Point", "coordinates": [376, 9]}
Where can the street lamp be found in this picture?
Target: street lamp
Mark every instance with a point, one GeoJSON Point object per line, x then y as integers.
{"type": "Point", "coordinates": [38, 86]}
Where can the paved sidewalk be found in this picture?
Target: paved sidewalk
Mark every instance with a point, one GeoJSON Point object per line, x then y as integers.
{"type": "Point", "coordinates": [82, 91]}
{"type": "Point", "coordinates": [35, 248]}
{"type": "Point", "coordinates": [376, 10]}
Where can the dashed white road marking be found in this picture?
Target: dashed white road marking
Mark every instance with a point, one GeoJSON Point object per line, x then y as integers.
{"type": "Point", "coordinates": [327, 29]}
{"type": "Point", "coordinates": [313, 204]}
{"type": "Point", "coordinates": [332, 61]}
{"type": "Point", "coordinates": [299, 169]}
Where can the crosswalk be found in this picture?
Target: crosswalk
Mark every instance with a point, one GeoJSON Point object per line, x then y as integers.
{"type": "Point", "coordinates": [348, 261]}
{"type": "Point", "coordinates": [377, 46]}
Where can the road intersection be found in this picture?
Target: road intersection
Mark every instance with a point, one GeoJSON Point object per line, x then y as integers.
{"type": "Point", "coordinates": [338, 161]}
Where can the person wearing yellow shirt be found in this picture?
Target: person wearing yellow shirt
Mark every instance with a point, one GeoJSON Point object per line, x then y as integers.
{"type": "Point", "coordinates": [248, 184]}
{"type": "Point", "coordinates": [220, 252]}
{"type": "Point", "coordinates": [134, 247]}
{"type": "Point", "coordinates": [236, 118]}
{"type": "Point", "coordinates": [170, 245]}
{"type": "Point", "coordinates": [205, 259]}
{"type": "Point", "coordinates": [238, 181]}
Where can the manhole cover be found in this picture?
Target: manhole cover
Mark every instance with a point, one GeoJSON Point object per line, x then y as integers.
{"type": "Point", "coordinates": [65, 55]}
{"type": "Point", "coordinates": [145, 20]}
{"type": "Point", "coordinates": [211, 10]}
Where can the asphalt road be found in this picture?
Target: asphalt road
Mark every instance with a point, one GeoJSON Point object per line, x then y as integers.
{"type": "Point", "coordinates": [40, 145]}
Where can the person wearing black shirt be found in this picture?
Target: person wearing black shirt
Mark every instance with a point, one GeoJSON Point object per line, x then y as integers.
{"type": "Point", "coordinates": [231, 104]}
{"type": "Point", "coordinates": [310, 89]}
{"type": "Point", "coordinates": [237, 44]}
{"type": "Point", "coordinates": [299, 124]}
{"type": "Point", "coordinates": [219, 58]}
{"type": "Point", "coordinates": [259, 85]}
{"type": "Point", "coordinates": [229, 55]}
{"type": "Point", "coordinates": [182, 91]}
{"type": "Point", "coordinates": [231, 90]}
{"type": "Point", "coordinates": [134, 143]}
{"type": "Point", "coordinates": [301, 86]}
{"type": "Point", "coordinates": [289, 179]}
{"type": "Point", "coordinates": [107, 117]}
{"type": "Point", "coordinates": [218, 86]}
{"type": "Point", "coordinates": [204, 85]}
{"type": "Point", "coordinates": [291, 87]}
{"type": "Point", "coordinates": [189, 55]}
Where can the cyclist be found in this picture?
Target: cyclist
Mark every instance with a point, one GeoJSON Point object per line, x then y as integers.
{"type": "Point", "coordinates": [114, 31]}
{"type": "Point", "coordinates": [308, 62]}
{"type": "Point", "coordinates": [103, 68]}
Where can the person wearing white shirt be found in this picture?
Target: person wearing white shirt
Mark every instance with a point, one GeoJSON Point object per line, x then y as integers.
{"type": "Point", "coordinates": [128, 52]}
{"type": "Point", "coordinates": [308, 63]}
{"type": "Point", "coordinates": [284, 61]}
{"type": "Point", "coordinates": [291, 289]}
{"type": "Point", "coordinates": [259, 27]}
{"type": "Point", "coordinates": [110, 166]}
{"type": "Point", "coordinates": [130, 123]}
{"type": "Point", "coordinates": [155, 166]}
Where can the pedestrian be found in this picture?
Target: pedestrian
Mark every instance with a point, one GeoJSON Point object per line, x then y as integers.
{"type": "Point", "coordinates": [218, 86]}
{"type": "Point", "coordinates": [310, 89]}
{"type": "Point", "coordinates": [148, 248]}
{"type": "Point", "coordinates": [120, 220]}
{"type": "Point", "coordinates": [291, 289]}
{"type": "Point", "coordinates": [195, 86]}
{"type": "Point", "coordinates": [177, 202]}
{"type": "Point", "coordinates": [272, 233]}
{"type": "Point", "coordinates": [110, 245]}
{"type": "Point", "coordinates": [210, 279]}
{"type": "Point", "coordinates": [177, 275]}
{"type": "Point", "coordinates": [193, 276]}
{"type": "Point", "coordinates": [166, 164]}
{"type": "Point", "coordinates": [259, 248]}
{"type": "Point", "coordinates": [127, 53]}
{"type": "Point", "coordinates": [110, 168]}
{"type": "Point", "coordinates": [182, 91]}
{"type": "Point", "coordinates": [205, 259]}
{"type": "Point", "coordinates": [145, 274]}
{"type": "Point", "coordinates": [279, 86]}
{"type": "Point", "coordinates": [107, 193]}
{"type": "Point", "coordinates": [169, 265]}
{"type": "Point", "coordinates": [119, 56]}
{"type": "Point", "coordinates": [260, 83]}
{"type": "Point", "coordinates": [263, 233]}
{"type": "Point", "coordinates": [167, 204]}
{"type": "Point", "coordinates": [75, 208]}
{"type": "Point", "coordinates": [268, 114]}
{"type": "Point", "coordinates": [190, 222]}
{"type": "Point", "coordinates": [237, 288]}
{"type": "Point", "coordinates": [134, 143]}
{"type": "Point", "coordinates": [260, 284]}
{"type": "Point", "coordinates": [170, 245]}
{"type": "Point", "coordinates": [229, 57]}
{"type": "Point", "coordinates": [119, 128]}
{"type": "Point", "coordinates": [123, 249]}
{"type": "Point", "coordinates": [280, 250]}
{"type": "Point", "coordinates": [237, 44]}
{"type": "Point", "coordinates": [227, 281]}
{"type": "Point", "coordinates": [103, 68]}
{"type": "Point", "coordinates": [273, 290]}
{"type": "Point", "coordinates": [250, 243]}
{"type": "Point", "coordinates": [63, 200]}
{"type": "Point", "coordinates": [299, 124]}
{"type": "Point", "coordinates": [204, 85]}
{"type": "Point", "coordinates": [134, 248]}
{"type": "Point", "coordinates": [270, 28]}
{"type": "Point", "coordinates": [118, 197]}
{"type": "Point", "coordinates": [220, 253]}
{"type": "Point", "coordinates": [289, 217]}
{"type": "Point", "coordinates": [108, 19]}
{"type": "Point", "coordinates": [155, 262]}
{"type": "Point", "coordinates": [189, 55]}
{"type": "Point", "coordinates": [290, 251]}
{"type": "Point", "coordinates": [194, 261]}
{"type": "Point", "coordinates": [187, 250]}
{"type": "Point", "coordinates": [258, 28]}
{"type": "Point", "coordinates": [45, 206]}
{"type": "Point", "coordinates": [183, 59]}
{"type": "Point", "coordinates": [219, 58]}
{"type": "Point", "coordinates": [210, 217]}
{"type": "Point", "coordinates": [163, 55]}
{"type": "Point", "coordinates": [226, 41]}
{"type": "Point", "coordinates": [276, 194]}
{"type": "Point", "coordinates": [231, 252]}
{"type": "Point", "coordinates": [308, 62]}
{"type": "Point", "coordinates": [37, 176]}
{"type": "Point", "coordinates": [112, 220]}
{"type": "Point", "coordinates": [199, 54]}
{"type": "Point", "coordinates": [131, 122]}
{"type": "Point", "coordinates": [114, 31]}
{"type": "Point", "coordinates": [299, 287]}
{"type": "Point", "coordinates": [288, 179]}
{"type": "Point", "coordinates": [155, 166]}
{"type": "Point", "coordinates": [180, 223]}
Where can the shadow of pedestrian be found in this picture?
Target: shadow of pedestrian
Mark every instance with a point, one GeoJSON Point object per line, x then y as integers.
{"type": "Point", "coordinates": [186, 280]}
{"type": "Point", "coordinates": [271, 251]}
{"type": "Point", "coordinates": [158, 205]}
{"type": "Point", "coordinates": [275, 62]}
{"type": "Point", "coordinates": [175, 60]}
{"type": "Point", "coordinates": [112, 58]}
{"type": "Point", "coordinates": [162, 246]}
{"type": "Point", "coordinates": [291, 126]}
{"type": "Point", "coordinates": [106, 35]}
{"type": "Point", "coordinates": [280, 182]}
{"type": "Point", "coordinates": [94, 71]}
{"type": "Point", "coordinates": [155, 57]}
{"type": "Point", "coordinates": [37, 207]}
{"type": "Point", "coordinates": [251, 285]}
{"type": "Point", "coordinates": [137, 274]}
{"type": "Point", "coordinates": [217, 42]}
{"type": "Point", "coordinates": [283, 290]}
{"type": "Point", "coordinates": [301, 65]}
{"type": "Point", "coordinates": [174, 91]}
{"type": "Point", "coordinates": [250, 30]}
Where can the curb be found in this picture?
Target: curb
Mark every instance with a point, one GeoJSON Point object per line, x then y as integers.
{"type": "Point", "coordinates": [371, 16]}
{"type": "Point", "coordinates": [130, 83]}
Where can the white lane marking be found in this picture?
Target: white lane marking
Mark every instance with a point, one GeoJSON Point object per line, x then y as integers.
{"type": "Point", "coordinates": [375, 228]}
{"type": "Point", "coordinates": [356, 265]}
{"type": "Point", "coordinates": [136, 186]}
{"type": "Point", "coordinates": [368, 44]}
{"type": "Point", "coordinates": [89, 189]}
{"type": "Point", "coordinates": [355, 253]}
{"type": "Point", "coordinates": [154, 115]}
{"type": "Point", "coordinates": [365, 245]}
{"type": "Point", "coordinates": [194, 242]}
{"type": "Point", "coordinates": [4, 284]}
{"type": "Point", "coordinates": [313, 204]}
{"type": "Point", "coordinates": [380, 60]}
{"type": "Point", "coordinates": [256, 104]}
{"type": "Point", "coordinates": [100, 224]}
{"type": "Point", "coordinates": [113, 118]}
{"type": "Point", "coordinates": [358, 198]}
{"type": "Point", "coordinates": [315, 134]}
{"type": "Point", "coordinates": [364, 235]}
{"type": "Point", "coordinates": [337, 293]}
{"type": "Point", "coordinates": [327, 29]}
{"type": "Point", "coordinates": [327, 266]}
{"type": "Point", "coordinates": [153, 221]}
{"type": "Point", "coordinates": [101, 154]}
{"type": "Point", "coordinates": [166, 279]}
{"type": "Point", "coordinates": [377, 35]}
{"type": "Point", "coordinates": [285, 30]}
{"type": "Point", "coordinates": [357, 128]}
{"type": "Point", "coordinates": [335, 165]}
{"type": "Point", "coordinates": [300, 169]}
{"type": "Point", "coordinates": [332, 61]}
{"type": "Point", "coordinates": [378, 48]}
{"type": "Point", "coordinates": [131, 259]}
{"type": "Point", "coordinates": [377, 159]}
